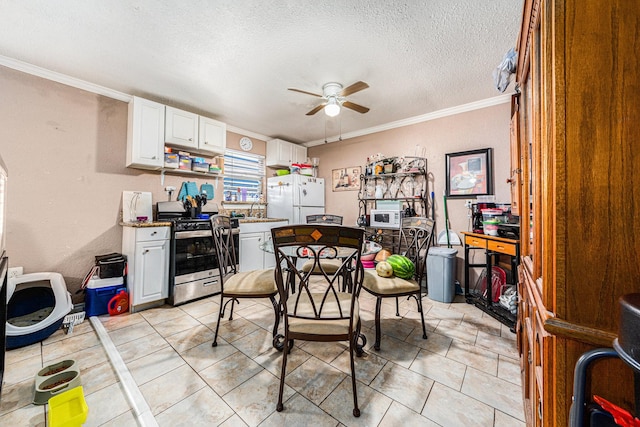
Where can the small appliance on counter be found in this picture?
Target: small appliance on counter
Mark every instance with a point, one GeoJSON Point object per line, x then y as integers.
{"type": "Point", "coordinates": [476, 214]}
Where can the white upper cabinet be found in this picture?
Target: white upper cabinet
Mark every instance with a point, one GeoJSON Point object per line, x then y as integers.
{"type": "Point", "coordinates": [181, 128]}
{"type": "Point", "coordinates": [196, 133]}
{"type": "Point", "coordinates": [298, 153]}
{"type": "Point", "coordinates": [145, 134]}
{"type": "Point", "coordinates": [282, 153]}
{"type": "Point", "coordinates": [212, 136]}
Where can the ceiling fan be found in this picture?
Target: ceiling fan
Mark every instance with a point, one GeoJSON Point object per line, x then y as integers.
{"type": "Point", "coordinates": [335, 97]}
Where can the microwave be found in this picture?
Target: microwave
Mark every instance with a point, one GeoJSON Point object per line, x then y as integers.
{"type": "Point", "coordinates": [385, 218]}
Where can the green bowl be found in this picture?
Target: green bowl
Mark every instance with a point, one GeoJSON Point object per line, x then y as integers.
{"type": "Point", "coordinates": [281, 172]}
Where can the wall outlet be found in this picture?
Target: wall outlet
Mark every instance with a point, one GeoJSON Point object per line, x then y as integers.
{"type": "Point", "coordinates": [15, 272]}
{"type": "Point", "coordinates": [467, 204]}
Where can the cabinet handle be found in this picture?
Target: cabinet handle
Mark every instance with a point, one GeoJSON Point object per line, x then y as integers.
{"type": "Point", "coordinates": [190, 139]}
{"type": "Point", "coordinates": [154, 233]}
{"type": "Point", "coordinates": [529, 357]}
{"type": "Point", "coordinates": [154, 157]}
{"type": "Point", "coordinates": [145, 251]}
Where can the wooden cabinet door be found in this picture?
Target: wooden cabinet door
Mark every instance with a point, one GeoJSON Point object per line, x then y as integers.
{"type": "Point", "coordinates": [515, 181]}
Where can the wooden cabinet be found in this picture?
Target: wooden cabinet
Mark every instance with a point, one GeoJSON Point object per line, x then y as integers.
{"type": "Point", "coordinates": [282, 153]}
{"type": "Point", "coordinates": [576, 133]}
{"type": "Point", "coordinates": [145, 134]}
{"type": "Point", "coordinates": [147, 251]}
{"type": "Point", "coordinates": [515, 175]}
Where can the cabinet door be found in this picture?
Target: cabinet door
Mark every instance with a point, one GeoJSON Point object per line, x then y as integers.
{"type": "Point", "coordinates": [251, 256]}
{"type": "Point", "coordinates": [213, 136]}
{"type": "Point", "coordinates": [145, 134]}
{"type": "Point", "coordinates": [181, 128]}
{"type": "Point", "coordinates": [298, 153]}
{"type": "Point", "coordinates": [514, 179]}
{"type": "Point", "coordinates": [151, 271]}
{"type": "Point", "coordinates": [279, 153]}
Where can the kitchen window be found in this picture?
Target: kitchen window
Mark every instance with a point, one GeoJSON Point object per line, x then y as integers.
{"type": "Point", "coordinates": [243, 174]}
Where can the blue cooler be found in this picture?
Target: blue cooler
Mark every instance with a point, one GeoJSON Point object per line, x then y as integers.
{"type": "Point", "coordinates": [99, 292]}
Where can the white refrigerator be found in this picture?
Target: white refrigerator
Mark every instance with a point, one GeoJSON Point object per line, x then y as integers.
{"type": "Point", "coordinates": [294, 197]}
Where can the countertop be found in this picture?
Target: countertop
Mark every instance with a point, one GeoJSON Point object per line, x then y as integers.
{"type": "Point", "coordinates": [250, 220]}
{"type": "Point", "coordinates": [137, 224]}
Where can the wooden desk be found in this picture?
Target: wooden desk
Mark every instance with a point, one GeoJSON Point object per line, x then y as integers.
{"type": "Point", "coordinates": [494, 247]}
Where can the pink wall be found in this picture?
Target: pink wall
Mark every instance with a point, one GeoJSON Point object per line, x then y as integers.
{"type": "Point", "coordinates": [484, 128]}
{"type": "Point", "coordinates": [65, 151]}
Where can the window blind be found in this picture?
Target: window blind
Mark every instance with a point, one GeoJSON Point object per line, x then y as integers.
{"type": "Point", "coordinates": [243, 171]}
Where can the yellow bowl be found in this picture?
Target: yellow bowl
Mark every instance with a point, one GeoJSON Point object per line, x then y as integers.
{"type": "Point", "coordinates": [68, 409]}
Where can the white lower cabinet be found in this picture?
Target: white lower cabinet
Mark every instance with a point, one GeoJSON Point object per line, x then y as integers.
{"type": "Point", "coordinates": [147, 251]}
{"type": "Point", "coordinates": [251, 256]}
{"type": "Point", "coordinates": [252, 235]}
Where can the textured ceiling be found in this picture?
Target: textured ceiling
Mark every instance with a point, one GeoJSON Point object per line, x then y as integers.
{"type": "Point", "coordinates": [235, 59]}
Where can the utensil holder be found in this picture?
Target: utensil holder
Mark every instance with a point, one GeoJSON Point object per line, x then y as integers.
{"type": "Point", "coordinates": [66, 373]}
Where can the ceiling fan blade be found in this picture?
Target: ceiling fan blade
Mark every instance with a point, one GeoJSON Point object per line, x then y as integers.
{"type": "Point", "coordinates": [356, 87]}
{"type": "Point", "coordinates": [305, 92]}
{"type": "Point", "coordinates": [315, 110]}
{"type": "Point", "coordinates": [355, 107]}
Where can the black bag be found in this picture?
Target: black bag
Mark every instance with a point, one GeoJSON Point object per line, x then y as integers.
{"type": "Point", "coordinates": [111, 265]}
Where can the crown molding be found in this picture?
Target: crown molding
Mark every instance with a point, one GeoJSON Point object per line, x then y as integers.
{"type": "Point", "coordinates": [62, 78]}
{"type": "Point", "coordinates": [93, 88]}
{"type": "Point", "coordinates": [248, 133]}
{"type": "Point", "coordinates": [477, 105]}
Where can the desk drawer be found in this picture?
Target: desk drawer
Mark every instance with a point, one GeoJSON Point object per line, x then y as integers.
{"type": "Point", "coordinates": [502, 247]}
{"type": "Point", "coordinates": [475, 241]}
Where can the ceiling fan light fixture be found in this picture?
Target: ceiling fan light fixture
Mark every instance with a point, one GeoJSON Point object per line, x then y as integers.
{"type": "Point", "coordinates": [332, 108]}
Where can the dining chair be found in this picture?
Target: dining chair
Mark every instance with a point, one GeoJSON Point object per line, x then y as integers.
{"type": "Point", "coordinates": [319, 310]}
{"type": "Point", "coordinates": [416, 235]}
{"type": "Point", "coordinates": [329, 265]}
{"type": "Point", "coordinates": [324, 219]}
{"type": "Point", "coordinates": [236, 285]}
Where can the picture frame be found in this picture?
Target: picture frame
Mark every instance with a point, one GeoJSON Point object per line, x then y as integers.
{"type": "Point", "coordinates": [346, 179]}
{"type": "Point", "coordinates": [469, 173]}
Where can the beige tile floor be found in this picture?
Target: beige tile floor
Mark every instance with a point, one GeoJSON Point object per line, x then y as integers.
{"type": "Point", "coordinates": [465, 374]}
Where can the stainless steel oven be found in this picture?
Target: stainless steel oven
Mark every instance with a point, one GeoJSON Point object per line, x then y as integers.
{"type": "Point", "coordinates": [193, 270]}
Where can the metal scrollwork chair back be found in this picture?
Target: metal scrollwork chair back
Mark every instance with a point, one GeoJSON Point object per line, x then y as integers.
{"type": "Point", "coordinates": [320, 310]}
{"type": "Point", "coordinates": [416, 235]}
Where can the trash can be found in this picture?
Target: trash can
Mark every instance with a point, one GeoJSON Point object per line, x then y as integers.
{"type": "Point", "coordinates": [441, 274]}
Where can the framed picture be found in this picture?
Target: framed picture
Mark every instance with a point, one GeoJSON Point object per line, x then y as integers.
{"type": "Point", "coordinates": [469, 173]}
{"type": "Point", "coordinates": [346, 179]}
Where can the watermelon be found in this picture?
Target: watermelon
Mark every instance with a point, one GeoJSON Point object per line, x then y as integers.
{"type": "Point", "coordinates": [402, 266]}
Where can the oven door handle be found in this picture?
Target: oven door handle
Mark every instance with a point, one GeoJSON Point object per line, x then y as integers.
{"type": "Point", "coordinates": [191, 234]}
